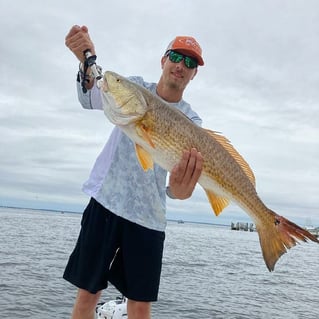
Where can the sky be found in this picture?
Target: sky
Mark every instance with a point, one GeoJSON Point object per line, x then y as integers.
{"type": "Point", "coordinates": [259, 87]}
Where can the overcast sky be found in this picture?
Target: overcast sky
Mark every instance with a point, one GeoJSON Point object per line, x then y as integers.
{"type": "Point", "coordinates": [259, 87]}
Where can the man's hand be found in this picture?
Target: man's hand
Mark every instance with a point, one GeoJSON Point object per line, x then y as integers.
{"type": "Point", "coordinates": [185, 174]}
{"type": "Point", "coordinates": [78, 40]}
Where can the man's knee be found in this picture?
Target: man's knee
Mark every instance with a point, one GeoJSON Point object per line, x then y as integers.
{"type": "Point", "coordinates": [85, 302]}
{"type": "Point", "coordinates": [138, 309]}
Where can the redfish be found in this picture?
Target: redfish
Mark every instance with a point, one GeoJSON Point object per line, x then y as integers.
{"type": "Point", "coordinates": [161, 133]}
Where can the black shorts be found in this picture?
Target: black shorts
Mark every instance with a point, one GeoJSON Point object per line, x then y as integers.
{"type": "Point", "coordinates": [113, 249]}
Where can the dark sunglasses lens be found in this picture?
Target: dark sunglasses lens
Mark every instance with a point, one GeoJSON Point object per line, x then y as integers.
{"type": "Point", "coordinates": [175, 57]}
{"type": "Point", "coordinates": [190, 62]}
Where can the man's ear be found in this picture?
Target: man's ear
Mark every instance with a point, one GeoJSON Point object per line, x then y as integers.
{"type": "Point", "coordinates": [163, 59]}
{"type": "Point", "coordinates": [194, 74]}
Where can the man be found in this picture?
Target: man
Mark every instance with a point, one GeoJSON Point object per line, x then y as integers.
{"type": "Point", "coordinates": [122, 228]}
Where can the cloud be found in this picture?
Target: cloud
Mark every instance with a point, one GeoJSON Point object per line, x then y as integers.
{"type": "Point", "coordinates": [259, 87]}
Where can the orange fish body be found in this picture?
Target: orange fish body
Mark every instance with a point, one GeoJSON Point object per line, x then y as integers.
{"type": "Point", "coordinates": [161, 133]}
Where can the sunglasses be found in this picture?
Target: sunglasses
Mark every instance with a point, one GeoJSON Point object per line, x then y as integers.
{"type": "Point", "coordinates": [175, 57]}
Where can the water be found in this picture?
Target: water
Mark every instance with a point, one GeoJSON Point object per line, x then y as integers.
{"type": "Point", "coordinates": [208, 272]}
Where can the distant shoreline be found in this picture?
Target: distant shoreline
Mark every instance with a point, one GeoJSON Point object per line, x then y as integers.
{"type": "Point", "coordinates": [77, 212]}
{"type": "Point", "coordinates": [42, 209]}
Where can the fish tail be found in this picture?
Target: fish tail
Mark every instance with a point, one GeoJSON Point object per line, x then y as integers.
{"type": "Point", "coordinates": [279, 236]}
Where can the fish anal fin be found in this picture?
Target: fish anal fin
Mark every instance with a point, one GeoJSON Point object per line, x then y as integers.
{"type": "Point", "coordinates": [144, 158]}
{"type": "Point", "coordinates": [236, 156]}
{"type": "Point", "coordinates": [144, 132]}
{"type": "Point", "coordinates": [218, 203]}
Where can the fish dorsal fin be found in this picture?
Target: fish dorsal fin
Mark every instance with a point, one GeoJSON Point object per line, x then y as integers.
{"type": "Point", "coordinates": [236, 156]}
{"type": "Point", "coordinates": [144, 158]}
{"type": "Point", "coordinates": [143, 131]}
{"type": "Point", "coordinates": [218, 203]}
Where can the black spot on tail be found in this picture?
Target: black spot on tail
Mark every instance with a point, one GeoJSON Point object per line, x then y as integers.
{"type": "Point", "coordinates": [277, 221]}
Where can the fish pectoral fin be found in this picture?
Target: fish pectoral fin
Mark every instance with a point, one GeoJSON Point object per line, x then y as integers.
{"type": "Point", "coordinates": [143, 131]}
{"type": "Point", "coordinates": [144, 158]}
{"type": "Point", "coordinates": [218, 203]}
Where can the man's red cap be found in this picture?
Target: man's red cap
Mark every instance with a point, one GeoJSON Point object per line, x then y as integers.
{"type": "Point", "coordinates": [187, 45]}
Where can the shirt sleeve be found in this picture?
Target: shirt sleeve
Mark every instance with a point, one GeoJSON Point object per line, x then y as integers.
{"type": "Point", "coordinates": [196, 119]}
{"type": "Point", "coordinates": [91, 99]}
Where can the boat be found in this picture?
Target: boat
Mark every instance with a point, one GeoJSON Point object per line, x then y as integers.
{"type": "Point", "coordinates": [113, 309]}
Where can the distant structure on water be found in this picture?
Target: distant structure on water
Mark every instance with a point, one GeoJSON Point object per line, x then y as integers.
{"type": "Point", "coordinates": [313, 230]}
{"type": "Point", "coordinates": [242, 226]}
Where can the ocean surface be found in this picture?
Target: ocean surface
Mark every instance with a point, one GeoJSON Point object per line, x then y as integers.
{"type": "Point", "coordinates": [208, 272]}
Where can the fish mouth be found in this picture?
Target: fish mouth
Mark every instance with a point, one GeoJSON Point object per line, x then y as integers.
{"type": "Point", "coordinates": [104, 86]}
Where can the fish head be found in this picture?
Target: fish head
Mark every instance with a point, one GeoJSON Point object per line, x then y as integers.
{"type": "Point", "coordinates": [123, 102]}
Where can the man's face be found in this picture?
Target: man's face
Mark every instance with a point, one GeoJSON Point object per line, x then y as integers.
{"type": "Point", "coordinates": [176, 75]}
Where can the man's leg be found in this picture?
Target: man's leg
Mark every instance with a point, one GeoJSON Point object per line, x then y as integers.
{"type": "Point", "coordinates": [85, 304]}
{"type": "Point", "coordinates": [136, 269]}
{"type": "Point", "coordinates": [138, 309]}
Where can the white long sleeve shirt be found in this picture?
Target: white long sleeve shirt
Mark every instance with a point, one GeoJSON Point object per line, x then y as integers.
{"type": "Point", "coordinates": [117, 180]}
